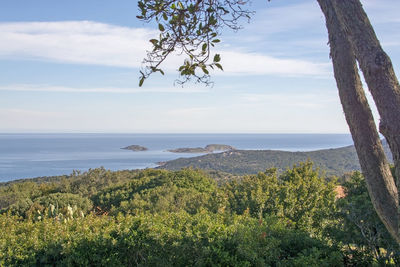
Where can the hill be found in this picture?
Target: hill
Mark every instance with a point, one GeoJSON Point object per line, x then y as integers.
{"type": "Point", "coordinates": [207, 149]}
{"type": "Point", "coordinates": [336, 161]}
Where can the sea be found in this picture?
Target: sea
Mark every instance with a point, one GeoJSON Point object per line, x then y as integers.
{"type": "Point", "coordinates": [37, 155]}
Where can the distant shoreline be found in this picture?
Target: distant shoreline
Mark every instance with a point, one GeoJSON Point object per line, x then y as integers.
{"type": "Point", "coordinates": [38, 155]}
{"type": "Point", "coordinates": [207, 149]}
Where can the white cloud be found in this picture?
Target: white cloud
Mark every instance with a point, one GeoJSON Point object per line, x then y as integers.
{"type": "Point", "coordinates": [307, 16]}
{"type": "Point", "coordinates": [191, 112]}
{"type": "Point", "coordinates": [65, 89]}
{"type": "Point", "coordinates": [15, 112]}
{"type": "Point", "coordinates": [87, 42]}
{"type": "Point", "coordinates": [297, 28]}
{"type": "Point", "coordinates": [259, 64]}
{"type": "Point", "coordinates": [303, 100]}
{"type": "Point", "coordinates": [82, 42]}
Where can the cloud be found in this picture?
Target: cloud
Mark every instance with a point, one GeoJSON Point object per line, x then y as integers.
{"type": "Point", "coordinates": [382, 11]}
{"type": "Point", "coordinates": [64, 89]}
{"type": "Point", "coordinates": [317, 101]}
{"type": "Point", "coordinates": [297, 28]}
{"type": "Point", "coordinates": [82, 42]}
{"type": "Point", "coordinates": [270, 19]}
{"type": "Point", "coordinates": [194, 111]}
{"type": "Point", "coordinates": [259, 64]}
{"type": "Point", "coordinates": [307, 16]}
{"type": "Point", "coordinates": [88, 42]}
{"type": "Point", "coordinates": [30, 113]}
{"type": "Point", "coordinates": [19, 119]}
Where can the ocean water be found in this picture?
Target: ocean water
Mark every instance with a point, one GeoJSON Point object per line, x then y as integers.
{"type": "Point", "coordinates": [34, 155]}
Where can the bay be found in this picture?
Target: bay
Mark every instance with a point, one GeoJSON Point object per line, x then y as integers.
{"type": "Point", "coordinates": [36, 155]}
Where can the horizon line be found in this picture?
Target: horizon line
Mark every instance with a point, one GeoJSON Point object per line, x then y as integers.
{"type": "Point", "coordinates": [33, 132]}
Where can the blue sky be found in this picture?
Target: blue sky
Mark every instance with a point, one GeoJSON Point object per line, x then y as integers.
{"type": "Point", "coordinates": [73, 66]}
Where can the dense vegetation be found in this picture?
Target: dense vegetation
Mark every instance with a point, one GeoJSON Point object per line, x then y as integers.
{"type": "Point", "coordinates": [336, 161]}
{"type": "Point", "coordinates": [185, 218]}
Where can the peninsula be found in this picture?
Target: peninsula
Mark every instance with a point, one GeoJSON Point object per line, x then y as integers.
{"type": "Point", "coordinates": [207, 149]}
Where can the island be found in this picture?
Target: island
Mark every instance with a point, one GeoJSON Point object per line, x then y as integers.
{"type": "Point", "coordinates": [207, 149]}
{"type": "Point", "coordinates": [135, 148]}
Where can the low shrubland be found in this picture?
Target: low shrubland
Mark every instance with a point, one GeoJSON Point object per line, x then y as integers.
{"type": "Point", "coordinates": [185, 218]}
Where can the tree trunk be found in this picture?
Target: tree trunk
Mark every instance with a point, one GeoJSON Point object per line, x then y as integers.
{"type": "Point", "coordinates": [380, 183]}
{"type": "Point", "coordinates": [377, 69]}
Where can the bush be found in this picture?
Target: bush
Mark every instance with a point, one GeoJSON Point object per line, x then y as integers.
{"type": "Point", "coordinates": [159, 190]}
{"type": "Point", "coordinates": [300, 197]}
{"type": "Point", "coordinates": [27, 208]}
{"type": "Point", "coordinates": [168, 239]}
{"type": "Point", "coordinates": [359, 228]}
{"type": "Point", "coordinates": [165, 218]}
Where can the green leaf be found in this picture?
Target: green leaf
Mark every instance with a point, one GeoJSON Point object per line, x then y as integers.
{"type": "Point", "coordinates": [217, 58]}
{"type": "Point", "coordinates": [161, 27]}
{"type": "Point", "coordinates": [219, 66]}
{"type": "Point", "coordinates": [141, 82]}
{"type": "Point", "coordinates": [216, 41]}
{"type": "Point", "coordinates": [154, 41]}
{"type": "Point", "coordinates": [161, 71]}
{"type": "Point", "coordinates": [191, 9]}
{"type": "Point", "coordinates": [205, 70]}
{"type": "Point", "coordinates": [180, 5]}
{"type": "Point", "coordinates": [204, 47]}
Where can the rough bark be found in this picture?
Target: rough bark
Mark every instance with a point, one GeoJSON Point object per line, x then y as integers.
{"type": "Point", "coordinates": [377, 69]}
{"type": "Point", "coordinates": [380, 183]}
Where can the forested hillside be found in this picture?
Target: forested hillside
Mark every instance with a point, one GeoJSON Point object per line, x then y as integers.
{"type": "Point", "coordinates": [185, 218]}
{"type": "Point", "coordinates": [332, 161]}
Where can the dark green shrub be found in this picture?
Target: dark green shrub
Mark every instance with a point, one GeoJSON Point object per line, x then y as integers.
{"type": "Point", "coordinates": [159, 190]}
{"type": "Point", "coordinates": [167, 239]}
{"type": "Point", "coordinates": [359, 228]}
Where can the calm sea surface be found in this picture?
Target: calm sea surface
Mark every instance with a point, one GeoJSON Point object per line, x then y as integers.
{"type": "Point", "coordinates": [33, 155]}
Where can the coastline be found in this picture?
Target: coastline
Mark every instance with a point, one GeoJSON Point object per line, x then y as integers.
{"type": "Point", "coordinates": [37, 155]}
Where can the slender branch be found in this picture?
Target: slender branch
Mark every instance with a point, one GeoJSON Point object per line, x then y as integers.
{"type": "Point", "coordinates": [189, 28]}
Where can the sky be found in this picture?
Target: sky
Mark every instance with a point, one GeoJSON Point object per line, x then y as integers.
{"type": "Point", "coordinates": [73, 66]}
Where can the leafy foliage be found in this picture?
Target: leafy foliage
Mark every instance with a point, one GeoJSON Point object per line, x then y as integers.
{"type": "Point", "coordinates": [168, 239]}
{"type": "Point", "coordinates": [300, 197]}
{"type": "Point", "coordinates": [360, 228]}
{"type": "Point", "coordinates": [180, 218]}
{"type": "Point", "coordinates": [31, 198]}
{"type": "Point", "coordinates": [189, 27]}
{"type": "Point", "coordinates": [29, 208]}
{"type": "Point", "coordinates": [159, 190]}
